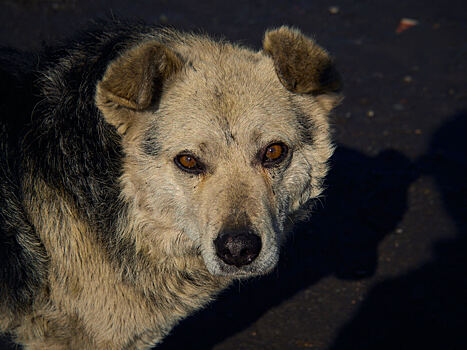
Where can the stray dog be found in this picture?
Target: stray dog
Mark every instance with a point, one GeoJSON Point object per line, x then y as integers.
{"type": "Point", "coordinates": [142, 170]}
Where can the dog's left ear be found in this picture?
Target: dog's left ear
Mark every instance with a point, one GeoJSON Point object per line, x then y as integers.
{"type": "Point", "coordinates": [303, 66]}
{"type": "Point", "coordinates": [134, 81]}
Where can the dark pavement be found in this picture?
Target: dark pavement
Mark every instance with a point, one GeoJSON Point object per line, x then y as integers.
{"type": "Point", "coordinates": [382, 263]}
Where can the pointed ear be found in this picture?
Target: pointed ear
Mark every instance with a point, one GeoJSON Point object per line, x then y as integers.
{"type": "Point", "coordinates": [302, 65]}
{"type": "Point", "coordinates": [134, 81]}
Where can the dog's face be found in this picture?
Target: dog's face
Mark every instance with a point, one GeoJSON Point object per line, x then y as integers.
{"type": "Point", "coordinates": [223, 145]}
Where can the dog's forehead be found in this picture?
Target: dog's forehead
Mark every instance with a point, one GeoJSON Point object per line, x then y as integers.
{"type": "Point", "coordinates": [226, 79]}
{"type": "Point", "coordinates": [230, 94]}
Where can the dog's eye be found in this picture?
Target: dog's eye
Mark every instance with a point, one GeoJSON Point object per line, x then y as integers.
{"type": "Point", "coordinates": [274, 154]}
{"type": "Point", "coordinates": [189, 163]}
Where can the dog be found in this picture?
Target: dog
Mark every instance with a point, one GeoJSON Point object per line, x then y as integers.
{"type": "Point", "coordinates": [145, 169]}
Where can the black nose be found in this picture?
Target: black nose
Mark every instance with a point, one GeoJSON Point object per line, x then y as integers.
{"type": "Point", "coordinates": [236, 248]}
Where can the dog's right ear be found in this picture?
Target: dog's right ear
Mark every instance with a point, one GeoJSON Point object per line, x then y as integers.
{"type": "Point", "coordinates": [134, 82]}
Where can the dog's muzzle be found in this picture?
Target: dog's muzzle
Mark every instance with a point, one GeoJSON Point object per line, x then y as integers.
{"type": "Point", "coordinates": [237, 248]}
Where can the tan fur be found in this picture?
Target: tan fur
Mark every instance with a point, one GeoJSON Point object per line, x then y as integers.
{"type": "Point", "coordinates": [178, 92]}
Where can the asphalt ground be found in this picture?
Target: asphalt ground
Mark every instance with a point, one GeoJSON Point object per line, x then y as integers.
{"type": "Point", "coordinates": [382, 262]}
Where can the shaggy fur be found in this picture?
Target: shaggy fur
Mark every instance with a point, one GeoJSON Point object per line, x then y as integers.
{"type": "Point", "coordinates": [107, 241]}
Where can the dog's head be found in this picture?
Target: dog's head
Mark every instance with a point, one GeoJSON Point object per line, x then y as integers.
{"type": "Point", "coordinates": [223, 145]}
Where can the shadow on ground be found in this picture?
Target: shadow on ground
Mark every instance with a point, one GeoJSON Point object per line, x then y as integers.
{"type": "Point", "coordinates": [426, 308]}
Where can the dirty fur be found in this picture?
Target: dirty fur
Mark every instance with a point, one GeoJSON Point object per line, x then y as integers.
{"type": "Point", "coordinates": [107, 241]}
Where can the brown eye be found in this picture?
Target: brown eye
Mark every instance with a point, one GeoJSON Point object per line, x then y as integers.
{"type": "Point", "coordinates": [274, 154]}
{"type": "Point", "coordinates": [188, 163]}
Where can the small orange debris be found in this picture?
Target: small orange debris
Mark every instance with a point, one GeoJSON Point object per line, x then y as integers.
{"type": "Point", "coordinates": [405, 23]}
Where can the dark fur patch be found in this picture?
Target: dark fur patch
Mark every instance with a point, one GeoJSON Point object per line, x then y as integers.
{"type": "Point", "coordinates": [305, 127]}
{"type": "Point", "coordinates": [77, 153]}
{"type": "Point", "coordinates": [23, 262]}
{"type": "Point", "coordinates": [85, 149]}
{"type": "Point", "coordinates": [151, 145]}
{"type": "Point", "coordinates": [23, 258]}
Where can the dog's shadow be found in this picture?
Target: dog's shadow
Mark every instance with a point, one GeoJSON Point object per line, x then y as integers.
{"type": "Point", "coordinates": [365, 200]}
{"type": "Point", "coordinates": [425, 308]}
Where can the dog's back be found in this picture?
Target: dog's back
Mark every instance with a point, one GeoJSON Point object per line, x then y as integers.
{"type": "Point", "coordinates": [22, 263]}
{"type": "Point", "coordinates": [41, 136]}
